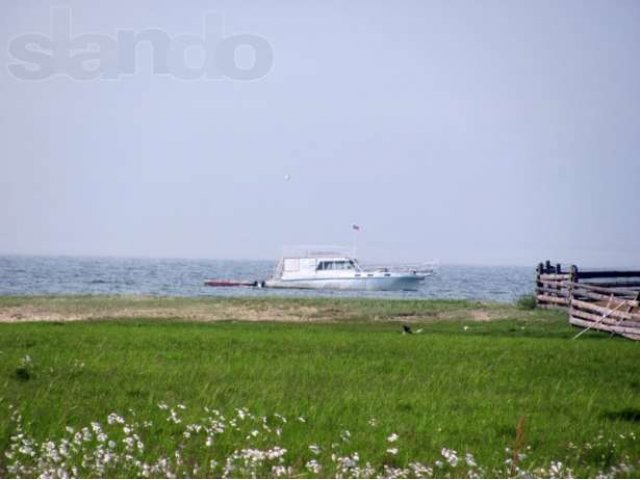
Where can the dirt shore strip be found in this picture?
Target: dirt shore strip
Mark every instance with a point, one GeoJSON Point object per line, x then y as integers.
{"type": "Point", "coordinates": [65, 309]}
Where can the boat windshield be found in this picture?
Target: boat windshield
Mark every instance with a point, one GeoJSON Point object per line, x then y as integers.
{"type": "Point", "coordinates": [336, 265]}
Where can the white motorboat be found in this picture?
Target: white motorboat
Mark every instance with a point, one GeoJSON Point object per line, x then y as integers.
{"type": "Point", "coordinates": [333, 270]}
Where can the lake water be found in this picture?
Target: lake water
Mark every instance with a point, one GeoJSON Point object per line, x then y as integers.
{"type": "Point", "coordinates": [38, 275]}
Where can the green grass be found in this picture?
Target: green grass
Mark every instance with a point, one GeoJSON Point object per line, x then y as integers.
{"type": "Point", "coordinates": [458, 384]}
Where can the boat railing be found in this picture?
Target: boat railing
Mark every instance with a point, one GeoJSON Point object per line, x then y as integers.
{"type": "Point", "coordinates": [310, 251]}
{"type": "Point", "coordinates": [419, 268]}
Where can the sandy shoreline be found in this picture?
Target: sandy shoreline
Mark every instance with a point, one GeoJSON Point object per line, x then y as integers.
{"type": "Point", "coordinates": [68, 309]}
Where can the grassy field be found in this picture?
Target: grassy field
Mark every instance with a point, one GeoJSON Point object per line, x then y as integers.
{"type": "Point", "coordinates": [464, 396]}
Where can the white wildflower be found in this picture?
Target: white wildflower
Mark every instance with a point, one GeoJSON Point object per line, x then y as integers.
{"type": "Point", "coordinates": [315, 449]}
{"type": "Point", "coordinates": [281, 471]}
{"type": "Point", "coordinates": [86, 435]}
{"type": "Point", "coordinates": [470, 460]}
{"type": "Point", "coordinates": [275, 453]}
{"type": "Point", "coordinates": [555, 469]}
{"type": "Point", "coordinates": [451, 456]}
{"type": "Point", "coordinates": [173, 417]}
{"type": "Point", "coordinates": [313, 466]}
{"type": "Point", "coordinates": [344, 464]}
{"type": "Point", "coordinates": [129, 442]}
{"type": "Point", "coordinates": [393, 472]}
{"type": "Point", "coordinates": [114, 418]}
{"type": "Point", "coordinates": [420, 470]}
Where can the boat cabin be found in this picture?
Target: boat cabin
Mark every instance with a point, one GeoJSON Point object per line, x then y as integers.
{"type": "Point", "coordinates": [342, 264]}
{"type": "Point", "coordinates": [321, 266]}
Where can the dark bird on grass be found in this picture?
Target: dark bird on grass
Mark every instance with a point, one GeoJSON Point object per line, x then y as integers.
{"type": "Point", "coordinates": [406, 329]}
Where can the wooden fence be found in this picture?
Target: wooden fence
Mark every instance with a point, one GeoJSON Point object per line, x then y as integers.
{"type": "Point", "coordinates": [606, 300]}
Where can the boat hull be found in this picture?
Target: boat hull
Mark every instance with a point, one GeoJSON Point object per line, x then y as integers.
{"type": "Point", "coordinates": [381, 283]}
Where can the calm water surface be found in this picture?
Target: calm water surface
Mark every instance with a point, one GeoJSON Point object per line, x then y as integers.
{"type": "Point", "coordinates": [38, 275]}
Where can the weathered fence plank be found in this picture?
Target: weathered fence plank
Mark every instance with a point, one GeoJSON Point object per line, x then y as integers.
{"type": "Point", "coordinates": [602, 326]}
{"type": "Point", "coordinates": [554, 300]}
{"type": "Point", "coordinates": [608, 274]}
{"type": "Point", "coordinates": [605, 290]}
{"type": "Point", "coordinates": [606, 320]}
{"type": "Point", "coordinates": [615, 310]}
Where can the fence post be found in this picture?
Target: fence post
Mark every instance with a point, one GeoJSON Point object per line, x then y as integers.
{"type": "Point", "coordinates": [573, 277]}
{"type": "Point", "coordinates": [539, 271]}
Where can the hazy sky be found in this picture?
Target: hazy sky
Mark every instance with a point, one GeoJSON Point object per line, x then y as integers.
{"type": "Point", "coordinates": [489, 132]}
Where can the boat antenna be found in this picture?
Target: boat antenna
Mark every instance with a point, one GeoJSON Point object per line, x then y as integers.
{"type": "Point", "coordinates": [356, 229]}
